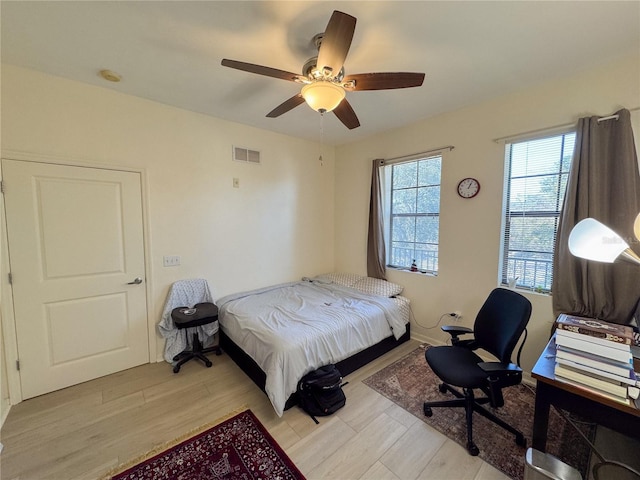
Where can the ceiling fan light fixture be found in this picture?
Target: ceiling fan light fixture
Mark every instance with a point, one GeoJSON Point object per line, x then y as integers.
{"type": "Point", "coordinates": [323, 96]}
{"type": "Point", "coordinates": [325, 84]}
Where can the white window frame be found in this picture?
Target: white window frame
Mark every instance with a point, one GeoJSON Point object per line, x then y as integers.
{"type": "Point", "coordinates": [423, 265]}
{"type": "Point", "coordinates": [514, 262]}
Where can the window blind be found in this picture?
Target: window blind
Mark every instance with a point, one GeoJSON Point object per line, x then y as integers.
{"type": "Point", "coordinates": [535, 182]}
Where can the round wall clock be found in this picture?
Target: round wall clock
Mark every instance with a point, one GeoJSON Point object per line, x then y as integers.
{"type": "Point", "coordinates": [468, 187]}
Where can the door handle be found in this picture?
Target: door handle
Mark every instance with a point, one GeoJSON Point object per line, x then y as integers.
{"type": "Point", "coordinates": [137, 281]}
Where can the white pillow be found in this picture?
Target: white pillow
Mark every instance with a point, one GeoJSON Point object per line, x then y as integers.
{"type": "Point", "coordinates": [376, 286]}
{"type": "Point", "coordinates": [344, 279]}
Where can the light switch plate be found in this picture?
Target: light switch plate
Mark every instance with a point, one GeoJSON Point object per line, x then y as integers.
{"type": "Point", "coordinates": [171, 260]}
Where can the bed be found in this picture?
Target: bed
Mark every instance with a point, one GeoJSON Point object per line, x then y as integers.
{"type": "Point", "coordinates": [279, 333]}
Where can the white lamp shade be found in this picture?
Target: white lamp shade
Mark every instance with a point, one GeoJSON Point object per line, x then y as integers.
{"type": "Point", "coordinates": [323, 96]}
{"type": "Point", "coordinates": [592, 240]}
{"type": "Point", "coordinates": [636, 227]}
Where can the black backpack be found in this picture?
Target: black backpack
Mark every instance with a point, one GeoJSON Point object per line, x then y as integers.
{"type": "Point", "coordinates": [320, 392]}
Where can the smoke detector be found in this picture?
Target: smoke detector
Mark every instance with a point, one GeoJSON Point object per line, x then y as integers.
{"type": "Point", "coordinates": [110, 76]}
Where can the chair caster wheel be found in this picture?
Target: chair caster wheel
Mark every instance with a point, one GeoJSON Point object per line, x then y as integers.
{"type": "Point", "coordinates": [520, 440]}
{"type": "Point", "coordinates": [208, 364]}
{"type": "Point", "coordinates": [176, 369]}
{"type": "Point", "coordinates": [472, 449]}
{"type": "Point", "coordinates": [442, 388]}
{"type": "Point", "coordinates": [427, 411]}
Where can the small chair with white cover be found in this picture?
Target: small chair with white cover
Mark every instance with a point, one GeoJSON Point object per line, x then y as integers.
{"type": "Point", "coordinates": [198, 333]}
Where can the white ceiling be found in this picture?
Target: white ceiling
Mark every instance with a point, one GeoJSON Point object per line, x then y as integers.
{"type": "Point", "coordinates": [170, 52]}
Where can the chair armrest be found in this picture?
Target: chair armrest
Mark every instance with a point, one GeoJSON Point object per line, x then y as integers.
{"type": "Point", "coordinates": [500, 375]}
{"type": "Point", "coordinates": [499, 368]}
{"type": "Point", "coordinates": [454, 331]}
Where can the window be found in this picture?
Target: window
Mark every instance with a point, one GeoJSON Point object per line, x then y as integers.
{"type": "Point", "coordinates": [535, 182]}
{"type": "Point", "coordinates": [412, 195]}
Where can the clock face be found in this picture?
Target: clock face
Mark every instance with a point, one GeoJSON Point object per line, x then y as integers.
{"type": "Point", "coordinates": [468, 187]}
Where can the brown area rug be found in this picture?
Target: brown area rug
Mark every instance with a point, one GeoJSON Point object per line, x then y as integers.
{"type": "Point", "coordinates": [409, 382]}
{"type": "Point", "coordinates": [237, 448]}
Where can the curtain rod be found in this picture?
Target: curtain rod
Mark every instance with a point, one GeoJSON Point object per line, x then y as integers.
{"type": "Point", "coordinates": [416, 155]}
{"type": "Point", "coordinates": [552, 130]}
{"type": "Point", "coordinates": [616, 116]}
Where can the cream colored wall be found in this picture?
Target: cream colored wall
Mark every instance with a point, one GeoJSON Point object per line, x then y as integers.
{"type": "Point", "coordinates": [277, 227]}
{"type": "Point", "coordinates": [470, 229]}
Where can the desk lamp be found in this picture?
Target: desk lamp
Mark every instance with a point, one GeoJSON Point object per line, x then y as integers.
{"type": "Point", "coordinates": [592, 240]}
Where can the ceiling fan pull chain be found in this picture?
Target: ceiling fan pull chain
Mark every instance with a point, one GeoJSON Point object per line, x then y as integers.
{"type": "Point", "coordinates": [321, 137]}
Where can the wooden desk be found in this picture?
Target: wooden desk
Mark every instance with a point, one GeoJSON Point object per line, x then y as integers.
{"type": "Point", "coordinates": [600, 410]}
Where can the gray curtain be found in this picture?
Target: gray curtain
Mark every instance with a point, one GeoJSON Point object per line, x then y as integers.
{"type": "Point", "coordinates": [603, 184]}
{"type": "Point", "coordinates": [376, 253]}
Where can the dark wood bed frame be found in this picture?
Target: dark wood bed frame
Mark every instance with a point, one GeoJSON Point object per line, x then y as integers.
{"type": "Point", "coordinates": [346, 366]}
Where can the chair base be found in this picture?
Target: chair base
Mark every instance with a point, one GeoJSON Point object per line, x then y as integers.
{"type": "Point", "coordinates": [196, 352]}
{"type": "Point", "coordinates": [471, 404]}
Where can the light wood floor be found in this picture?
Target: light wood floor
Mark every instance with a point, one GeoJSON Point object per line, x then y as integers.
{"type": "Point", "coordinates": [83, 431]}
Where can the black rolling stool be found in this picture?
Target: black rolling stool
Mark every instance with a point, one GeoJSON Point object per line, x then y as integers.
{"type": "Point", "coordinates": [200, 314]}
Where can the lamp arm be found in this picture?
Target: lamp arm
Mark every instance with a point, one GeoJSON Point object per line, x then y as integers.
{"type": "Point", "coordinates": [630, 256]}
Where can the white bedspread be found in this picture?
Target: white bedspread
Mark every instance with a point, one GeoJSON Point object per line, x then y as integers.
{"type": "Point", "coordinates": [294, 328]}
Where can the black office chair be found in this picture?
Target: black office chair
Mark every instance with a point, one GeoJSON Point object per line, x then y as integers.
{"type": "Point", "coordinates": [497, 329]}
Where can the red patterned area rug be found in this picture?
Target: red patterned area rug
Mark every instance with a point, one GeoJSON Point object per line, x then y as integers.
{"type": "Point", "coordinates": [239, 448]}
{"type": "Point", "coordinates": [409, 382]}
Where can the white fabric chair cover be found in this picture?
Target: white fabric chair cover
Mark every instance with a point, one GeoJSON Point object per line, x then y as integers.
{"type": "Point", "coordinates": [185, 293]}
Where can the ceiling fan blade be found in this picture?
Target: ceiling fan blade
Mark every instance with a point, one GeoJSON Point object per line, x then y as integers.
{"type": "Point", "coordinates": [346, 115]}
{"type": "Point", "coordinates": [260, 70]}
{"type": "Point", "coordinates": [383, 81]}
{"type": "Point", "coordinates": [336, 42]}
{"type": "Point", "coordinates": [287, 105]}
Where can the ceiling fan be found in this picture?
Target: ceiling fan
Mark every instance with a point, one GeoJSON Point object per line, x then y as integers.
{"type": "Point", "coordinates": [325, 83]}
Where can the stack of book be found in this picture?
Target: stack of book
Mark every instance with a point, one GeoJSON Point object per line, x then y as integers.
{"type": "Point", "coordinates": [596, 356]}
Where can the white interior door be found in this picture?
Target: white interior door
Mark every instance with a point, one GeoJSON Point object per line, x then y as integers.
{"type": "Point", "coordinates": [75, 251]}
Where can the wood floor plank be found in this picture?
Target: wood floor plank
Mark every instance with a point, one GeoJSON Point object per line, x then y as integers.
{"type": "Point", "coordinates": [362, 406]}
{"type": "Point", "coordinates": [358, 454]}
{"type": "Point", "coordinates": [401, 415]}
{"type": "Point", "coordinates": [134, 380]}
{"type": "Point", "coordinates": [451, 462]}
{"type": "Point", "coordinates": [35, 414]}
{"type": "Point", "coordinates": [379, 472]}
{"type": "Point", "coordinates": [319, 445]}
{"type": "Point", "coordinates": [407, 461]}
{"type": "Point", "coordinates": [488, 472]}
{"type": "Point", "coordinates": [68, 422]}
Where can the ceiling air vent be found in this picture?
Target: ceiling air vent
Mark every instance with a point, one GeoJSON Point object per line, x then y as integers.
{"type": "Point", "coordinates": [241, 154]}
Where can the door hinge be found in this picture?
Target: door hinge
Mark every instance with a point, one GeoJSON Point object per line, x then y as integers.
{"type": "Point", "coordinates": [10, 275]}
{"type": "Point", "coordinates": [17, 364]}
{"type": "Point", "coordinates": [1, 186]}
